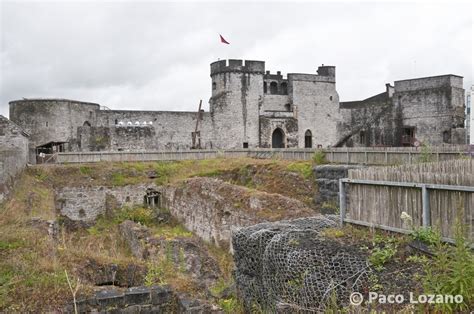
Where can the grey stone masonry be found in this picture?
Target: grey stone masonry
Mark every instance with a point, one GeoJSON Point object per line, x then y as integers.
{"type": "Point", "coordinates": [253, 108]}
{"type": "Point", "coordinates": [86, 203]}
{"type": "Point", "coordinates": [327, 179]}
{"type": "Point", "coordinates": [13, 154]}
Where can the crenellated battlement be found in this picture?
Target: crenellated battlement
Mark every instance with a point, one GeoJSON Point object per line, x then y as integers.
{"type": "Point", "coordinates": [234, 65]}
{"type": "Point", "coordinates": [271, 76]}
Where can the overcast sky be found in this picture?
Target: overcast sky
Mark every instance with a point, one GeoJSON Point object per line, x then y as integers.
{"type": "Point", "coordinates": [156, 55]}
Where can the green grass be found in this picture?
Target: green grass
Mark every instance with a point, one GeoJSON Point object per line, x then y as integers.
{"type": "Point", "coordinates": [11, 245]}
{"type": "Point", "coordinates": [118, 179]}
{"type": "Point", "coordinates": [221, 286]}
{"type": "Point", "coordinates": [451, 271]}
{"type": "Point", "coordinates": [85, 170]}
{"type": "Point", "coordinates": [171, 232]}
{"type": "Point", "coordinates": [142, 215]}
{"type": "Point", "coordinates": [231, 305]}
{"type": "Point", "coordinates": [301, 167]}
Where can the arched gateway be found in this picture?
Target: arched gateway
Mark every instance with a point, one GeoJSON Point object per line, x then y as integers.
{"type": "Point", "coordinates": [278, 138]}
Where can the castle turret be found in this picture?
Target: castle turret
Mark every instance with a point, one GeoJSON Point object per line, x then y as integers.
{"type": "Point", "coordinates": [317, 104]}
{"type": "Point", "coordinates": [328, 71]}
{"type": "Point", "coordinates": [237, 93]}
{"type": "Point", "coordinates": [53, 120]}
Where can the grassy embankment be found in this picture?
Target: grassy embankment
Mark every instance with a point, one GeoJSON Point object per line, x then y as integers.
{"type": "Point", "coordinates": [32, 265]}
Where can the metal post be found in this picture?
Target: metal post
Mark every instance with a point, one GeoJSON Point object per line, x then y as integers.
{"type": "Point", "coordinates": [342, 201]}
{"type": "Point", "coordinates": [425, 198]}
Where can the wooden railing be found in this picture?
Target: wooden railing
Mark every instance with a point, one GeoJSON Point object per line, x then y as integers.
{"type": "Point", "coordinates": [365, 155]}
{"type": "Point", "coordinates": [432, 194]}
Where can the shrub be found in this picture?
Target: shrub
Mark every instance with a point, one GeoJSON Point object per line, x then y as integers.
{"type": "Point", "coordinates": [380, 256]}
{"type": "Point", "coordinates": [156, 273]}
{"type": "Point", "coordinates": [319, 157]}
{"type": "Point", "coordinates": [426, 235]}
{"type": "Point", "coordinates": [451, 272]}
{"type": "Point", "coordinates": [142, 215]}
{"type": "Point", "coordinates": [303, 168]}
{"type": "Point", "coordinates": [426, 154]}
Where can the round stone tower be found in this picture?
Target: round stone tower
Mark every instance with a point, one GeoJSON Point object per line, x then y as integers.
{"type": "Point", "coordinates": [52, 120]}
{"type": "Point", "coordinates": [237, 94]}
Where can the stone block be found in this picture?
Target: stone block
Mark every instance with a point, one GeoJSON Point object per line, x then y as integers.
{"type": "Point", "coordinates": [161, 295]}
{"type": "Point", "coordinates": [137, 295]}
{"type": "Point", "coordinates": [109, 299]}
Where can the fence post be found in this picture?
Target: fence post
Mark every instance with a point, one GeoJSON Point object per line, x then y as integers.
{"type": "Point", "coordinates": [425, 200]}
{"type": "Point", "coordinates": [342, 201]}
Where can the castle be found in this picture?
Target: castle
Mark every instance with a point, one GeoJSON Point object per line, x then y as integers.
{"type": "Point", "coordinates": [253, 108]}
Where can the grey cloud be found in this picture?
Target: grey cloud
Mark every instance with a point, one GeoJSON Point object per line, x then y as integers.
{"type": "Point", "coordinates": [156, 55]}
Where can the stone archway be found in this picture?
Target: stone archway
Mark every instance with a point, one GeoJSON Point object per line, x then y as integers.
{"type": "Point", "coordinates": [278, 138]}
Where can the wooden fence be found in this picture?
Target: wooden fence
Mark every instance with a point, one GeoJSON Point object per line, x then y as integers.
{"type": "Point", "coordinates": [433, 194]}
{"type": "Point", "coordinates": [366, 155]}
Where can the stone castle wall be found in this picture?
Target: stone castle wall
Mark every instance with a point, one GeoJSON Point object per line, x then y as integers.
{"type": "Point", "coordinates": [13, 154]}
{"type": "Point", "coordinates": [223, 207]}
{"type": "Point", "coordinates": [52, 120]}
{"type": "Point", "coordinates": [144, 130]}
{"type": "Point", "coordinates": [237, 95]}
{"type": "Point", "coordinates": [368, 122]}
{"type": "Point", "coordinates": [248, 104]}
{"type": "Point", "coordinates": [317, 106]}
{"type": "Point", "coordinates": [434, 106]}
{"type": "Point", "coordinates": [87, 203]}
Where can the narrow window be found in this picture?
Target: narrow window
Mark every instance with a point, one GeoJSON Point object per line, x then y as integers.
{"type": "Point", "coordinates": [408, 136]}
{"type": "Point", "coordinates": [246, 145]}
{"type": "Point", "coordinates": [362, 137]}
{"type": "Point", "coordinates": [446, 137]}
{"type": "Point", "coordinates": [116, 121]}
{"type": "Point", "coordinates": [284, 88]}
{"type": "Point", "coordinates": [264, 87]}
{"type": "Point", "coordinates": [308, 139]}
{"type": "Point", "coordinates": [46, 124]}
{"type": "Point", "coordinates": [214, 86]}
{"type": "Point", "coordinates": [330, 98]}
{"type": "Point", "coordinates": [273, 88]}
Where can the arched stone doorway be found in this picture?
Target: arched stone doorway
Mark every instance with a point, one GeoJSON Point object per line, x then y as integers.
{"type": "Point", "coordinates": [308, 139]}
{"type": "Point", "coordinates": [278, 138]}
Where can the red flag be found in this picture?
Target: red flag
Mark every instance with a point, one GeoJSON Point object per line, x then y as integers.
{"type": "Point", "coordinates": [223, 40]}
